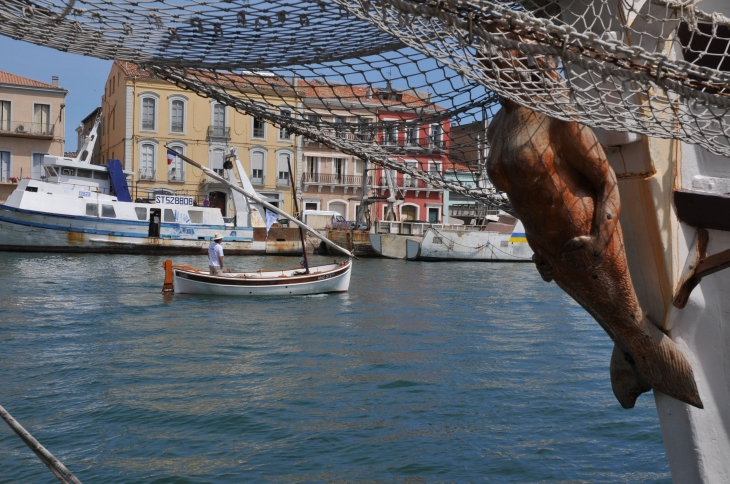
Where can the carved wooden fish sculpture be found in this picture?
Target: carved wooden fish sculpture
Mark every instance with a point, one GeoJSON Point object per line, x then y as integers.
{"type": "Point", "coordinates": [561, 186]}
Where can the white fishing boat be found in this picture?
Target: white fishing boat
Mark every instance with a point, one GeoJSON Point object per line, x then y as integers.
{"type": "Point", "coordinates": [79, 207]}
{"type": "Point", "coordinates": [323, 279]}
{"type": "Point", "coordinates": [503, 240]}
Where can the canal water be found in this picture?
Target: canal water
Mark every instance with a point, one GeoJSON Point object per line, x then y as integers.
{"type": "Point", "coordinates": [423, 372]}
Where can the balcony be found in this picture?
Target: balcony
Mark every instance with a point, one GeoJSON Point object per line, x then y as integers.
{"type": "Point", "coordinates": [349, 135]}
{"type": "Point", "coordinates": [411, 144]}
{"type": "Point", "coordinates": [27, 129]}
{"type": "Point", "coordinates": [146, 175]}
{"type": "Point", "coordinates": [405, 182]}
{"type": "Point", "coordinates": [223, 132]}
{"type": "Point", "coordinates": [283, 182]}
{"type": "Point", "coordinates": [340, 180]}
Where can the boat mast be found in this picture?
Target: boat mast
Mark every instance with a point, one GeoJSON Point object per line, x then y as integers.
{"type": "Point", "coordinates": [298, 214]}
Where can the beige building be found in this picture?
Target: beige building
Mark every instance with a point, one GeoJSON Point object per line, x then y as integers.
{"type": "Point", "coordinates": [31, 126]}
{"type": "Point", "coordinates": [143, 114]}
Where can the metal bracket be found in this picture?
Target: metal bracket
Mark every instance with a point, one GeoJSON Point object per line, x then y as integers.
{"type": "Point", "coordinates": [697, 266]}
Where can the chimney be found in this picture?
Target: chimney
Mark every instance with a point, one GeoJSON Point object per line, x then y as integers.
{"type": "Point", "coordinates": [54, 80]}
{"type": "Point", "coordinates": [369, 93]}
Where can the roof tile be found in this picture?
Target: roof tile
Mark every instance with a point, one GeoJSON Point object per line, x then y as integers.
{"type": "Point", "coordinates": [8, 78]}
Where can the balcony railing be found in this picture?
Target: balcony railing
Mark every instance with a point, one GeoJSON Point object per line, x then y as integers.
{"type": "Point", "coordinates": [326, 179]}
{"type": "Point", "coordinates": [415, 144]}
{"type": "Point", "coordinates": [282, 182]}
{"type": "Point", "coordinates": [406, 182]}
{"type": "Point", "coordinates": [22, 128]}
{"type": "Point", "coordinates": [219, 132]}
{"type": "Point", "coordinates": [146, 175]}
{"type": "Point", "coordinates": [348, 135]}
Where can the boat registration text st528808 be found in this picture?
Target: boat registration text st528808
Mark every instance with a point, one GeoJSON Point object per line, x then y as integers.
{"type": "Point", "coordinates": [170, 200]}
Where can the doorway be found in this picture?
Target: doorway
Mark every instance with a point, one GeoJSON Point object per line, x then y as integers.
{"type": "Point", "coordinates": [433, 215]}
{"type": "Point", "coordinates": [218, 200]}
{"type": "Point", "coordinates": [154, 227]}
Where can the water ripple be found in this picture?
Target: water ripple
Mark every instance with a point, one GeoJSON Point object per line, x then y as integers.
{"type": "Point", "coordinates": [421, 373]}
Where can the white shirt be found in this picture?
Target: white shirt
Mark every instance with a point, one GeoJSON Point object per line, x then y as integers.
{"type": "Point", "coordinates": [214, 252]}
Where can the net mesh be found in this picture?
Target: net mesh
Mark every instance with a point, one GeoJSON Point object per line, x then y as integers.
{"type": "Point", "coordinates": [410, 85]}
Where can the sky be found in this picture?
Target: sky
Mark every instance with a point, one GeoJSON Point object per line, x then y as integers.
{"type": "Point", "coordinates": [83, 77]}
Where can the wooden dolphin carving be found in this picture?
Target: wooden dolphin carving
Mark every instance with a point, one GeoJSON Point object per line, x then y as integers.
{"type": "Point", "coordinates": [561, 186]}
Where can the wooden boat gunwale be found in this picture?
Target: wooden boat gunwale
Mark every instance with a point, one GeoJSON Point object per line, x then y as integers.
{"type": "Point", "coordinates": [195, 275]}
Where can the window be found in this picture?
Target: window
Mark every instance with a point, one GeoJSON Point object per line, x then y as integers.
{"type": "Point", "coordinates": [283, 133]}
{"type": "Point", "coordinates": [177, 116]}
{"type": "Point", "coordinates": [169, 215]}
{"type": "Point", "coordinates": [311, 206]}
{"type": "Point", "coordinates": [216, 161]}
{"type": "Point", "coordinates": [68, 171]}
{"type": "Point", "coordinates": [4, 166]}
{"type": "Point", "coordinates": [408, 180]}
{"type": "Point", "coordinates": [257, 168]}
{"type": "Point", "coordinates": [390, 133]}
{"type": "Point", "coordinates": [148, 113]}
{"type": "Point", "coordinates": [147, 162]}
{"type": "Point", "coordinates": [358, 167]}
{"type": "Point", "coordinates": [82, 173]}
{"type": "Point", "coordinates": [340, 125]}
{"type": "Point", "coordinates": [92, 209]}
{"type": "Point", "coordinates": [141, 213]}
{"type": "Point", "coordinates": [282, 169]}
{"type": "Point", "coordinates": [42, 118]}
{"type": "Point", "coordinates": [314, 119]}
{"type": "Point", "coordinates": [272, 198]}
{"type": "Point", "coordinates": [338, 167]}
{"type": "Point", "coordinates": [218, 129]}
{"type": "Point", "coordinates": [364, 129]}
{"type": "Point", "coordinates": [4, 115]}
{"type": "Point", "coordinates": [196, 216]}
{"type": "Point", "coordinates": [434, 168]}
{"type": "Point", "coordinates": [411, 134]}
{"type": "Point", "coordinates": [175, 170]}
{"type": "Point", "coordinates": [312, 167]}
{"type": "Point", "coordinates": [435, 136]}
{"type": "Point", "coordinates": [108, 211]}
{"type": "Point", "coordinates": [101, 175]}
{"type": "Point", "coordinates": [219, 115]}
{"type": "Point", "coordinates": [259, 128]}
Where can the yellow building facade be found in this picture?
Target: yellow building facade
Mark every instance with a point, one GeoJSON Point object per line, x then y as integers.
{"type": "Point", "coordinates": [144, 115]}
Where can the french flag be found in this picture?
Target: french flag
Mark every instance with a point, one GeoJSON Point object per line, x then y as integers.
{"type": "Point", "coordinates": [170, 156]}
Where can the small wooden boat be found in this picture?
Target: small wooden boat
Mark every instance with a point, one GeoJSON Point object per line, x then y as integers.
{"type": "Point", "coordinates": [293, 282]}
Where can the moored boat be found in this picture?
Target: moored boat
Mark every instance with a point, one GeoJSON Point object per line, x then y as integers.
{"type": "Point", "coordinates": [80, 207]}
{"type": "Point", "coordinates": [323, 279]}
{"type": "Point", "coordinates": [495, 242]}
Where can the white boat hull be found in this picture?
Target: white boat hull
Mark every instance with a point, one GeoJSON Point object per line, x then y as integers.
{"type": "Point", "coordinates": [442, 245]}
{"type": "Point", "coordinates": [26, 231]}
{"type": "Point", "coordinates": [322, 279]}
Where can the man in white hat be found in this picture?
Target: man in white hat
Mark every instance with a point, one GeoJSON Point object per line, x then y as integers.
{"type": "Point", "coordinates": [215, 256]}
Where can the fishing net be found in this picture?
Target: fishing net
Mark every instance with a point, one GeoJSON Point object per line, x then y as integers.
{"type": "Point", "coordinates": [410, 85]}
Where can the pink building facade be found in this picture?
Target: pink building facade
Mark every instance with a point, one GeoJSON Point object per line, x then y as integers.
{"type": "Point", "coordinates": [416, 142]}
